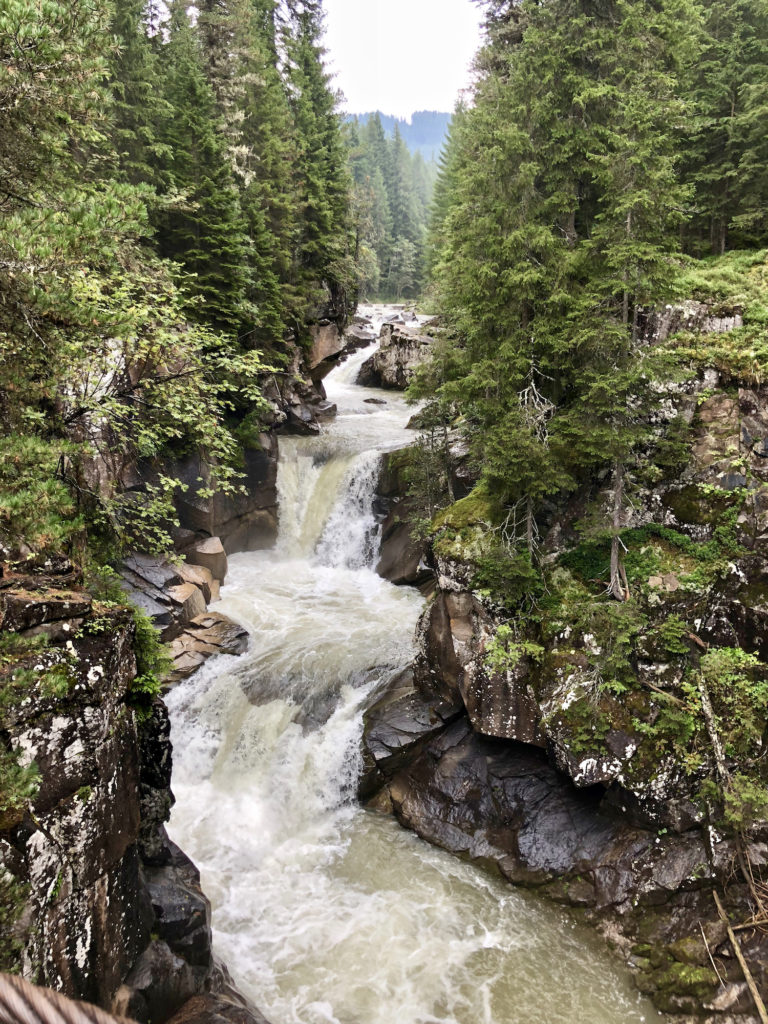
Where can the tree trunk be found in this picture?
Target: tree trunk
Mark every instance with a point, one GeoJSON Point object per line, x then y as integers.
{"type": "Point", "coordinates": [530, 529]}
{"type": "Point", "coordinates": [447, 463]}
{"type": "Point", "coordinates": [616, 585]}
{"type": "Point", "coordinates": [625, 300]}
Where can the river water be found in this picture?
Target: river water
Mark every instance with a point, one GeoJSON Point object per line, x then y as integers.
{"type": "Point", "coordinates": [326, 913]}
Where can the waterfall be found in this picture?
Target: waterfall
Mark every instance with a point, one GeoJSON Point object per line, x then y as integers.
{"type": "Point", "coordinates": [326, 913]}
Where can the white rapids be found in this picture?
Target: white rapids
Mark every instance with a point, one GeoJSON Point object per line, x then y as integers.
{"type": "Point", "coordinates": [326, 913]}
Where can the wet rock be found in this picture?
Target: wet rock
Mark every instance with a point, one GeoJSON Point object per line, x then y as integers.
{"type": "Point", "coordinates": [211, 555]}
{"type": "Point", "coordinates": [213, 1008]}
{"type": "Point", "coordinates": [182, 911]}
{"type": "Point", "coordinates": [396, 726]}
{"type": "Point", "coordinates": [190, 602]}
{"type": "Point", "coordinates": [159, 984]}
{"type": "Point", "coordinates": [206, 635]}
{"type": "Point", "coordinates": [400, 352]}
{"type": "Point", "coordinates": [402, 554]}
{"type": "Point", "coordinates": [359, 335]}
{"type": "Point", "coordinates": [200, 577]}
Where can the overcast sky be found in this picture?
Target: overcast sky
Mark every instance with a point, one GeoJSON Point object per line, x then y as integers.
{"type": "Point", "coordinates": [398, 56]}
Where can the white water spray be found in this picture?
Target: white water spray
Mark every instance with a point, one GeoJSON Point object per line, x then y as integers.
{"type": "Point", "coordinates": [325, 913]}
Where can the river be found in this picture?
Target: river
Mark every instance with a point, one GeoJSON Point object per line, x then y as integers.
{"type": "Point", "coordinates": [324, 912]}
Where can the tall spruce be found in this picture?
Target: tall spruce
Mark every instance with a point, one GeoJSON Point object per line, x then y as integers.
{"type": "Point", "coordinates": [323, 266]}
{"type": "Point", "coordinates": [203, 229]}
{"type": "Point", "coordinates": [725, 157]}
{"type": "Point", "coordinates": [562, 214]}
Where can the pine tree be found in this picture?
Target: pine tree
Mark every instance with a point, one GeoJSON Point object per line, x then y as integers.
{"type": "Point", "coordinates": [725, 156]}
{"type": "Point", "coordinates": [557, 221]}
{"type": "Point", "coordinates": [322, 257]}
{"type": "Point", "coordinates": [204, 230]}
{"type": "Point", "coordinates": [138, 108]}
{"type": "Point", "coordinates": [264, 169]}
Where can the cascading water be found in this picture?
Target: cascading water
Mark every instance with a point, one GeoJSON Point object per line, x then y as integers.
{"type": "Point", "coordinates": [326, 913]}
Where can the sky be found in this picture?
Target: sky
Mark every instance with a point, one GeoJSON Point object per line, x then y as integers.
{"type": "Point", "coordinates": [399, 56]}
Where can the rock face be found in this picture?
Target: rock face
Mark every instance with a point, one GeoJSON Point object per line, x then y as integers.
{"type": "Point", "coordinates": [402, 349]}
{"type": "Point", "coordinates": [244, 522]}
{"type": "Point", "coordinates": [688, 316]}
{"type": "Point", "coordinates": [544, 773]}
{"type": "Point", "coordinates": [108, 909]}
{"type": "Point", "coordinates": [402, 554]}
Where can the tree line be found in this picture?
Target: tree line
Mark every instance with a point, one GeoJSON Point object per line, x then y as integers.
{"type": "Point", "coordinates": [608, 145]}
{"type": "Point", "coordinates": [174, 209]}
{"type": "Point", "coordinates": [392, 197]}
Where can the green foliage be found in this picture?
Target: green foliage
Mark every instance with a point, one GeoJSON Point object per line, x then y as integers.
{"type": "Point", "coordinates": [153, 663]}
{"type": "Point", "coordinates": [36, 506]}
{"type": "Point", "coordinates": [673, 633]}
{"type": "Point", "coordinates": [737, 683]}
{"type": "Point", "coordinates": [18, 785]}
{"type": "Point", "coordinates": [13, 896]}
{"type": "Point", "coordinates": [504, 651]}
{"type": "Point", "coordinates": [745, 802]}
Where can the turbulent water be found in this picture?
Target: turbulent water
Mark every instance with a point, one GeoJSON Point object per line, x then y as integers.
{"type": "Point", "coordinates": [326, 913]}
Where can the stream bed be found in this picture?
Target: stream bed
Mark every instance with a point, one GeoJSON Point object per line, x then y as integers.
{"type": "Point", "coordinates": [326, 913]}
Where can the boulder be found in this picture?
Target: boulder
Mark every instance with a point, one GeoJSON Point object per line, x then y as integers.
{"type": "Point", "coordinates": [396, 726]}
{"type": "Point", "coordinates": [210, 554]}
{"type": "Point", "coordinates": [200, 577]}
{"type": "Point", "coordinates": [402, 554]}
{"type": "Point", "coordinates": [206, 635]}
{"type": "Point", "coordinates": [159, 984]}
{"type": "Point", "coordinates": [400, 352]}
{"type": "Point", "coordinates": [189, 600]}
{"type": "Point", "coordinates": [326, 342]}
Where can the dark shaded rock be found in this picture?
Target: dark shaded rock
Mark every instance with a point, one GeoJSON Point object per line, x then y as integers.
{"type": "Point", "coordinates": [402, 554]}
{"type": "Point", "coordinates": [159, 984]}
{"type": "Point", "coordinates": [182, 912]}
{"type": "Point", "coordinates": [243, 521]}
{"type": "Point", "coordinates": [22, 609]}
{"type": "Point", "coordinates": [396, 726]}
{"type": "Point", "coordinates": [212, 1008]}
{"type": "Point", "coordinates": [155, 796]}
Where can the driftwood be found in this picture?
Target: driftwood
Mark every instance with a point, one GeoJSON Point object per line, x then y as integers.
{"type": "Point", "coordinates": [756, 998]}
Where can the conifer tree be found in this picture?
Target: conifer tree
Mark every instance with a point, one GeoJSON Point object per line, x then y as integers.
{"type": "Point", "coordinates": [725, 156]}
{"type": "Point", "coordinates": [138, 108]}
{"type": "Point", "coordinates": [559, 212]}
{"type": "Point", "coordinates": [204, 230]}
{"type": "Point", "coordinates": [322, 182]}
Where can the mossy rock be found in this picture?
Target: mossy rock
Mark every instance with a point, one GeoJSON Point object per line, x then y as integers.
{"type": "Point", "coordinates": [462, 531]}
{"type": "Point", "coordinates": [698, 507]}
{"type": "Point", "coordinates": [687, 980]}
{"type": "Point", "coordinates": [478, 508]}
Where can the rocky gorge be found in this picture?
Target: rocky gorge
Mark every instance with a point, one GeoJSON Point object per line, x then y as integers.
{"type": "Point", "coordinates": [485, 755]}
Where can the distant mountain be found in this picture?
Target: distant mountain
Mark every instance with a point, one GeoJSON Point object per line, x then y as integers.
{"type": "Point", "coordinates": [424, 134]}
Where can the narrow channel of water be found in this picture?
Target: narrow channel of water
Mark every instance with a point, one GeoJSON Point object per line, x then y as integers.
{"type": "Point", "coordinates": [326, 913]}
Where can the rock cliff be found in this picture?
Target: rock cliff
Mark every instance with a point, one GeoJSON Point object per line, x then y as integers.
{"type": "Point", "coordinates": [103, 906]}
{"type": "Point", "coordinates": [571, 748]}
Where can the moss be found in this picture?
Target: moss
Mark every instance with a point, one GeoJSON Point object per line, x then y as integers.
{"type": "Point", "coordinates": [697, 505]}
{"type": "Point", "coordinates": [480, 507]}
{"type": "Point", "coordinates": [465, 530]}
{"type": "Point", "coordinates": [687, 979]}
